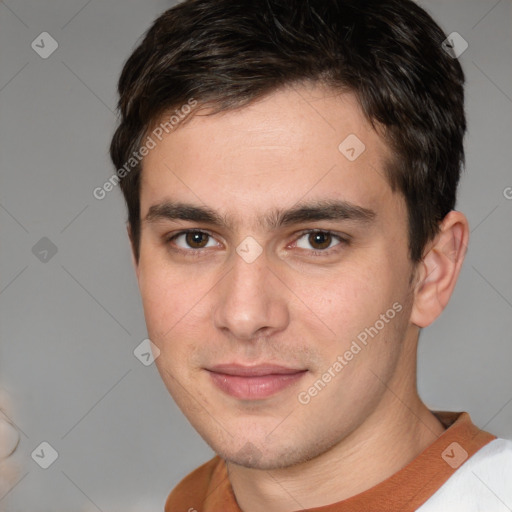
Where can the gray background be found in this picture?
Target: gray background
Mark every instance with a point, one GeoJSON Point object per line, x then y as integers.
{"type": "Point", "coordinates": [69, 325]}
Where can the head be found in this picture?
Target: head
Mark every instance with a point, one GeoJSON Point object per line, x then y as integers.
{"type": "Point", "coordinates": [313, 151]}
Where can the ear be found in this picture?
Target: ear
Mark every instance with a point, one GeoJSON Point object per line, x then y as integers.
{"type": "Point", "coordinates": [439, 269]}
{"type": "Point", "coordinates": [132, 246]}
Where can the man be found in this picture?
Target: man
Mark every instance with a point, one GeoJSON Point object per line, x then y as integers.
{"type": "Point", "coordinates": [290, 171]}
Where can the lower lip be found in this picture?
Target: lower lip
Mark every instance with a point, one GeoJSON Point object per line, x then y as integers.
{"type": "Point", "coordinates": [254, 388]}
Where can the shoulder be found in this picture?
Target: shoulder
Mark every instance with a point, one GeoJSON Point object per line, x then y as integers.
{"type": "Point", "coordinates": [193, 489]}
{"type": "Point", "coordinates": [483, 482]}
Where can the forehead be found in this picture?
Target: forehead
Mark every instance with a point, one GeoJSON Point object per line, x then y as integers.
{"type": "Point", "coordinates": [296, 144]}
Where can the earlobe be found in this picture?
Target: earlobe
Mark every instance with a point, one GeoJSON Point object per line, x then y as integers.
{"type": "Point", "coordinates": [439, 269]}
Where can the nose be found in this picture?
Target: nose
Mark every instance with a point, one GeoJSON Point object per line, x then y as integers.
{"type": "Point", "coordinates": [250, 301]}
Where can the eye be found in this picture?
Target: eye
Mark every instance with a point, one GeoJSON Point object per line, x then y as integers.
{"type": "Point", "coordinates": [192, 239]}
{"type": "Point", "coordinates": [320, 241]}
{"type": "Point", "coordinates": [317, 242]}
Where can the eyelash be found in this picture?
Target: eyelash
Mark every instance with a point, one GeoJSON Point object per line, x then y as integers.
{"type": "Point", "coordinates": [314, 252]}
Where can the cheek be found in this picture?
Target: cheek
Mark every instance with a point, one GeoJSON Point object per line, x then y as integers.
{"type": "Point", "coordinates": [350, 304]}
{"type": "Point", "coordinates": [157, 299]}
{"type": "Point", "coordinates": [346, 300]}
{"type": "Point", "coordinates": [175, 309]}
{"type": "Point", "coordinates": [164, 298]}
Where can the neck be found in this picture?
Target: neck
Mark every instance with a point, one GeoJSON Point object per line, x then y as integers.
{"type": "Point", "coordinates": [391, 437]}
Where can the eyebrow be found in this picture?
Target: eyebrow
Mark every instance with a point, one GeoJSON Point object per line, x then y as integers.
{"type": "Point", "coordinates": [312, 211]}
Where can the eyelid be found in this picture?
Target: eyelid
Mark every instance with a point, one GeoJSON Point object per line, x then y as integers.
{"type": "Point", "coordinates": [170, 237]}
{"type": "Point", "coordinates": [342, 238]}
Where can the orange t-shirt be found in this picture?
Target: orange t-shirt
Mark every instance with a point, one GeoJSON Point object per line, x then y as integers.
{"type": "Point", "coordinates": [207, 489]}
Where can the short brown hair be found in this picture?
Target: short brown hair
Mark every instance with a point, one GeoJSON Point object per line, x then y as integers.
{"type": "Point", "coordinates": [227, 53]}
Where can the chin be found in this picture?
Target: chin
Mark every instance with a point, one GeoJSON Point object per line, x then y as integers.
{"type": "Point", "coordinates": [256, 452]}
{"type": "Point", "coordinates": [250, 457]}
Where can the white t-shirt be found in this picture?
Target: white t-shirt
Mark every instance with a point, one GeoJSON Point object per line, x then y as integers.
{"type": "Point", "coordinates": [482, 484]}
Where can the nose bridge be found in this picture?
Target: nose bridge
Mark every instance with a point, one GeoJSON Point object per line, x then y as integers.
{"type": "Point", "coordinates": [246, 302]}
{"type": "Point", "coordinates": [247, 280]}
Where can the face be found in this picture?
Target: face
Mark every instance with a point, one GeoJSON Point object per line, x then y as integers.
{"type": "Point", "coordinates": [274, 273]}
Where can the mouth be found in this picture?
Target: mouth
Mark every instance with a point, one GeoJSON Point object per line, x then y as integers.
{"type": "Point", "coordinates": [254, 382]}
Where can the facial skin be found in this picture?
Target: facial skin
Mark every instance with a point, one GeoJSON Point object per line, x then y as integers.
{"type": "Point", "coordinates": [291, 307]}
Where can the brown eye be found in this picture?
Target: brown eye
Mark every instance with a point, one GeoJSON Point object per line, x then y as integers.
{"type": "Point", "coordinates": [191, 242]}
{"type": "Point", "coordinates": [196, 239]}
{"type": "Point", "coordinates": [320, 240]}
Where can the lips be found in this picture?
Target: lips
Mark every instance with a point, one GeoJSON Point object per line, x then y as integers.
{"type": "Point", "coordinates": [254, 382]}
